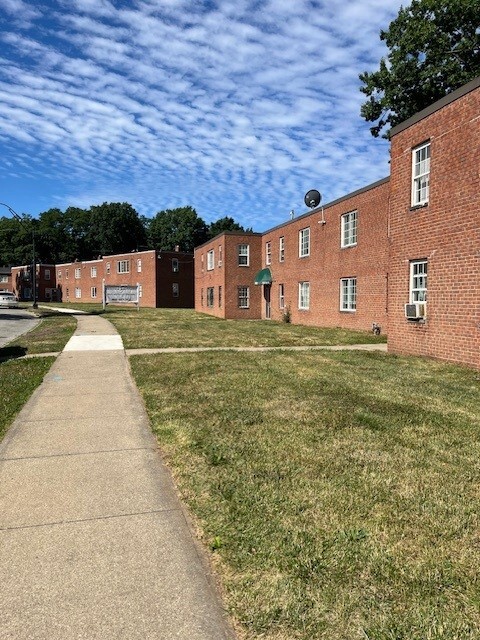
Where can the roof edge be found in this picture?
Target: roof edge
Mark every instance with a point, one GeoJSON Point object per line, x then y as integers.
{"type": "Point", "coordinates": [436, 106]}
{"type": "Point", "coordinates": [330, 204]}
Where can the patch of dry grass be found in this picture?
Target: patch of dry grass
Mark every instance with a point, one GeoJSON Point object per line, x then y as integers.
{"type": "Point", "coordinates": [339, 492]}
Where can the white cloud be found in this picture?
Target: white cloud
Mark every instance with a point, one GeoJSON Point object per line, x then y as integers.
{"type": "Point", "coordinates": [250, 103]}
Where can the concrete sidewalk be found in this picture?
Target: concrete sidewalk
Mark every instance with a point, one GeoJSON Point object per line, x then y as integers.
{"type": "Point", "coordinates": [93, 539]}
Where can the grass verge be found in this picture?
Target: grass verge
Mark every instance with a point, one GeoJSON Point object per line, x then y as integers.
{"type": "Point", "coordinates": [164, 328]}
{"type": "Point", "coordinates": [338, 492]}
{"type": "Point", "coordinates": [50, 335]}
{"type": "Point", "coordinates": [19, 379]}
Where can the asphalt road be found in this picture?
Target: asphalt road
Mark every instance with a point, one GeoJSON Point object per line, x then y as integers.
{"type": "Point", "coordinates": [14, 322]}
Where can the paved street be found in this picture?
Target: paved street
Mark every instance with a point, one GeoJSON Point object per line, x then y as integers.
{"type": "Point", "coordinates": [14, 322]}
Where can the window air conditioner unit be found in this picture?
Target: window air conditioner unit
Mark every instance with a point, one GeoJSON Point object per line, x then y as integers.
{"type": "Point", "coordinates": [415, 310]}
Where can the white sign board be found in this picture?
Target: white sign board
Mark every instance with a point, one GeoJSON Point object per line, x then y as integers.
{"type": "Point", "coordinates": [121, 294]}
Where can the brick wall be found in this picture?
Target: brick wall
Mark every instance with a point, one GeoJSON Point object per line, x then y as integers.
{"type": "Point", "coordinates": [228, 275]}
{"type": "Point", "coordinates": [328, 263]}
{"type": "Point", "coordinates": [445, 232]}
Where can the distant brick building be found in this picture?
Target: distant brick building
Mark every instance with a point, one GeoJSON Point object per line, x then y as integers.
{"type": "Point", "coordinates": [5, 279]}
{"type": "Point", "coordinates": [165, 279]}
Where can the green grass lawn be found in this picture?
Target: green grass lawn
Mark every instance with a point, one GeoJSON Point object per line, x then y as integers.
{"type": "Point", "coordinates": [50, 335]}
{"type": "Point", "coordinates": [19, 379]}
{"type": "Point", "coordinates": [163, 328]}
{"type": "Point", "coordinates": [338, 492]}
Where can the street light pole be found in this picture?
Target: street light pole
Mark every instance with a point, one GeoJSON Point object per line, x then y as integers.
{"type": "Point", "coordinates": [34, 266]}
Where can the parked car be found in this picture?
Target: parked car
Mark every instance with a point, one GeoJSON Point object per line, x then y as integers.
{"type": "Point", "coordinates": [8, 300]}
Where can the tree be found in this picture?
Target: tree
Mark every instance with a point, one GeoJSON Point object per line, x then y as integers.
{"type": "Point", "coordinates": [180, 227]}
{"type": "Point", "coordinates": [223, 224]}
{"type": "Point", "coordinates": [115, 227]}
{"type": "Point", "coordinates": [434, 49]}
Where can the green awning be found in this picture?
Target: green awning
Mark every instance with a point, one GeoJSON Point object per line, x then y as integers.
{"type": "Point", "coordinates": [264, 277]}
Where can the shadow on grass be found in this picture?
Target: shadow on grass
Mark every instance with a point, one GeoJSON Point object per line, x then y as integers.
{"type": "Point", "coordinates": [12, 353]}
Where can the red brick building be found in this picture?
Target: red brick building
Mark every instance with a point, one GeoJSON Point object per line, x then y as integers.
{"type": "Point", "coordinates": [22, 282]}
{"type": "Point", "coordinates": [225, 269]}
{"type": "Point", "coordinates": [403, 253]}
{"type": "Point", "coordinates": [434, 261]}
{"type": "Point", "coordinates": [165, 279]}
{"type": "Point", "coordinates": [327, 267]}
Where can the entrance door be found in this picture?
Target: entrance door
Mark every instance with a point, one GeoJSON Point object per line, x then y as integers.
{"type": "Point", "coordinates": [266, 294]}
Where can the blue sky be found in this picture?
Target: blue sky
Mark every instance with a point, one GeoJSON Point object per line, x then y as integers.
{"type": "Point", "coordinates": [235, 107]}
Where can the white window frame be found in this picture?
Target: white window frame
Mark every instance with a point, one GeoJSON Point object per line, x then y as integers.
{"type": "Point", "coordinates": [175, 289]}
{"type": "Point", "coordinates": [47, 274]}
{"type": "Point", "coordinates": [349, 229]}
{"type": "Point", "coordinates": [243, 252]}
{"type": "Point", "coordinates": [268, 253]}
{"type": "Point", "coordinates": [78, 293]}
{"type": "Point", "coordinates": [281, 249]}
{"type": "Point", "coordinates": [93, 272]}
{"type": "Point", "coordinates": [139, 265]}
{"type": "Point", "coordinates": [281, 296]}
{"type": "Point", "coordinates": [78, 273]}
{"type": "Point", "coordinates": [107, 267]}
{"type": "Point", "coordinates": [211, 260]}
{"type": "Point", "coordinates": [421, 174]}
{"type": "Point", "coordinates": [93, 292]}
{"type": "Point", "coordinates": [59, 275]}
{"type": "Point", "coordinates": [175, 267]}
{"type": "Point", "coordinates": [418, 280]}
{"type": "Point", "coordinates": [123, 266]}
{"type": "Point", "coordinates": [210, 297]}
{"type": "Point", "coordinates": [348, 294]}
{"type": "Point", "coordinates": [304, 242]}
{"type": "Point", "coordinates": [304, 296]}
{"type": "Point", "coordinates": [243, 297]}
{"type": "Point", "coordinates": [3, 278]}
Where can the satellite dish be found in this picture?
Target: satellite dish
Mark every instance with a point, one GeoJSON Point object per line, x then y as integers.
{"type": "Point", "coordinates": [312, 198]}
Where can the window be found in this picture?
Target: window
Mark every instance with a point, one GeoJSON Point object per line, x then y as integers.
{"type": "Point", "coordinates": [281, 296]}
{"type": "Point", "coordinates": [78, 292]}
{"type": "Point", "coordinates": [93, 272]}
{"type": "Point", "coordinates": [202, 262]}
{"type": "Point", "coordinates": [175, 265]}
{"type": "Point", "coordinates": [220, 255]}
{"type": "Point", "coordinates": [243, 255]}
{"type": "Point", "coordinates": [220, 296]}
{"type": "Point", "coordinates": [66, 273]}
{"type": "Point", "coordinates": [201, 297]}
{"type": "Point", "coordinates": [304, 295]}
{"type": "Point", "coordinates": [78, 273]}
{"type": "Point", "coordinates": [175, 290]}
{"type": "Point", "coordinates": [304, 242]}
{"type": "Point", "coordinates": [210, 296]}
{"type": "Point", "coordinates": [244, 297]}
{"type": "Point", "coordinates": [139, 266]}
{"type": "Point", "coordinates": [47, 274]}
{"type": "Point", "coordinates": [59, 275]}
{"type": "Point", "coordinates": [348, 294]}
{"type": "Point", "coordinates": [140, 290]}
{"type": "Point", "coordinates": [420, 174]}
{"type": "Point", "coordinates": [281, 249]}
{"type": "Point", "coordinates": [349, 229]}
{"type": "Point", "coordinates": [268, 253]}
{"type": "Point", "coordinates": [93, 292]}
{"type": "Point", "coordinates": [123, 266]}
{"type": "Point", "coordinates": [108, 267]}
{"type": "Point", "coordinates": [4, 279]}
{"type": "Point", "coordinates": [211, 260]}
{"type": "Point", "coordinates": [418, 281]}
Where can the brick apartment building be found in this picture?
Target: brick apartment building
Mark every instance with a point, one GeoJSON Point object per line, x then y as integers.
{"type": "Point", "coordinates": [5, 279]}
{"type": "Point", "coordinates": [434, 260]}
{"type": "Point", "coordinates": [165, 279]}
{"type": "Point", "coordinates": [366, 258]}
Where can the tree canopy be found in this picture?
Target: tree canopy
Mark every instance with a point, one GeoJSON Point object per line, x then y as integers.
{"type": "Point", "coordinates": [109, 228]}
{"type": "Point", "coordinates": [434, 49]}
